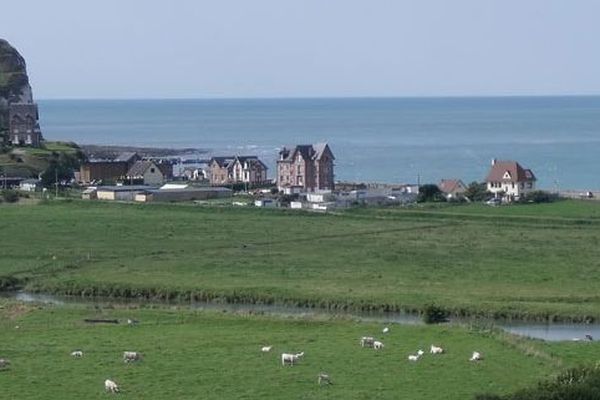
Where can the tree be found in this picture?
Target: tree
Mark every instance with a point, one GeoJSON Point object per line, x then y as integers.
{"type": "Point", "coordinates": [477, 192]}
{"type": "Point", "coordinates": [430, 193]}
{"type": "Point", "coordinates": [60, 168]}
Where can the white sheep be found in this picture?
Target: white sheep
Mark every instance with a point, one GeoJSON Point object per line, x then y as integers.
{"type": "Point", "coordinates": [290, 358]}
{"type": "Point", "coordinates": [266, 349]}
{"type": "Point", "coordinates": [4, 363]}
{"type": "Point", "coordinates": [377, 345]}
{"type": "Point", "coordinates": [386, 329]}
{"type": "Point", "coordinates": [414, 357]}
{"type": "Point", "coordinates": [323, 378]}
{"type": "Point", "coordinates": [77, 354]}
{"type": "Point", "coordinates": [476, 356]}
{"type": "Point", "coordinates": [130, 356]}
{"type": "Point", "coordinates": [367, 341]}
{"type": "Point", "coordinates": [111, 386]}
{"type": "Point", "coordinates": [132, 321]}
{"type": "Point", "coordinates": [436, 350]}
{"type": "Point", "coordinates": [420, 352]}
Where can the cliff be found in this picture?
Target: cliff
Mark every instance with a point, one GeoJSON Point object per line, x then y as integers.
{"type": "Point", "coordinates": [14, 82]}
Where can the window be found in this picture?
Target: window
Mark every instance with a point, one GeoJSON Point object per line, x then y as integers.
{"type": "Point", "coordinates": [152, 170]}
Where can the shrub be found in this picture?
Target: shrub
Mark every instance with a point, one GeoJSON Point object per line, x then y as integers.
{"type": "Point", "coordinates": [434, 314]}
{"type": "Point", "coordinates": [538, 196]}
{"type": "Point", "coordinates": [10, 196]}
{"type": "Point", "coordinates": [430, 193]}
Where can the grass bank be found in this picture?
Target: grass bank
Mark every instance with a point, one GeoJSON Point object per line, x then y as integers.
{"type": "Point", "coordinates": [213, 355]}
{"type": "Point", "coordinates": [522, 262]}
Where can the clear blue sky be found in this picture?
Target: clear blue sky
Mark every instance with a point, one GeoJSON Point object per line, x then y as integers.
{"type": "Point", "coordinates": [300, 48]}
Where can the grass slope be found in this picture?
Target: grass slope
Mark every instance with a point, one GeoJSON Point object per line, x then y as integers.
{"type": "Point", "coordinates": [526, 261]}
{"type": "Point", "coordinates": [190, 355]}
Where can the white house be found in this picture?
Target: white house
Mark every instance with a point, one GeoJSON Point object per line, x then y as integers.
{"type": "Point", "coordinates": [509, 180]}
{"type": "Point", "coordinates": [30, 185]}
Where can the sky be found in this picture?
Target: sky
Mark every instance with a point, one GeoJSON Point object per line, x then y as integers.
{"type": "Point", "coordinates": [305, 48]}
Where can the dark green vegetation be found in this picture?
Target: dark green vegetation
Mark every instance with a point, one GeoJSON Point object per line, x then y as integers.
{"type": "Point", "coordinates": [50, 160]}
{"type": "Point", "coordinates": [191, 355]}
{"type": "Point", "coordinates": [582, 383]}
{"type": "Point", "coordinates": [527, 261]}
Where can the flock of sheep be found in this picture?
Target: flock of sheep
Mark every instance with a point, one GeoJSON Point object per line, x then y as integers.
{"type": "Point", "coordinates": [286, 358]}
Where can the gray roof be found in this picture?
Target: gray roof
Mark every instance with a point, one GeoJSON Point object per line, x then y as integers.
{"type": "Point", "coordinates": [140, 168]}
{"type": "Point", "coordinates": [126, 156]}
{"type": "Point", "coordinates": [308, 151]}
{"type": "Point", "coordinates": [126, 188]}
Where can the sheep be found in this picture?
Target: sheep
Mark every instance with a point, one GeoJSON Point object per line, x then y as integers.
{"type": "Point", "coordinates": [4, 363]}
{"type": "Point", "coordinates": [324, 378]}
{"type": "Point", "coordinates": [77, 354]}
{"type": "Point", "coordinates": [367, 341]}
{"type": "Point", "coordinates": [111, 386]}
{"type": "Point", "coordinates": [416, 357]}
{"type": "Point", "coordinates": [476, 356]}
{"type": "Point", "coordinates": [132, 322]}
{"type": "Point", "coordinates": [266, 349]}
{"type": "Point", "coordinates": [386, 329]}
{"type": "Point", "coordinates": [130, 356]}
{"type": "Point", "coordinates": [377, 345]}
{"type": "Point", "coordinates": [436, 350]}
{"type": "Point", "coordinates": [290, 358]}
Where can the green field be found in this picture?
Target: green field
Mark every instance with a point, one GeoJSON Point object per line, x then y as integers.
{"type": "Point", "coordinates": [530, 261]}
{"type": "Point", "coordinates": [210, 355]}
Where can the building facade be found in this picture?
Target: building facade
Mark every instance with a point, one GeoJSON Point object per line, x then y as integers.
{"type": "Point", "coordinates": [237, 169]}
{"type": "Point", "coordinates": [306, 167]}
{"type": "Point", "coordinates": [509, 180]}
{"type": "Point", "coordinates": [149, 173]}
{"type": "Point", "coordinates": [23, 126]}
{"type": "Point", "coordinates": [107, 170]}
{"type": "Point", "coordinates": [452, 188]}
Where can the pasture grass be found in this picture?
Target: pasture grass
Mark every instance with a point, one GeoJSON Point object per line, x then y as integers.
{"type": "Point", "coordinates": [214, 355]}
{"type": "Point", "coordinates": [530, 261]}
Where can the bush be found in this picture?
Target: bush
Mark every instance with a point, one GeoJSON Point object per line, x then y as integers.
{"type": "Point", "coordinates": [434, 314]}
{"type": "Point", "coordinates": [477, 192]}
{"type": "Point", "coordinates": [581, 383]}
{"type": "Point", "coordinates": [538, 196]}
{"type": "Point", "coordinates": [430, 193]}
{"type": "Point", "coordinates": [10, 196]}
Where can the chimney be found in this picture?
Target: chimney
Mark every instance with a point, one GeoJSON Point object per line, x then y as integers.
{"type": "Point", "coordinates": [493, 161]}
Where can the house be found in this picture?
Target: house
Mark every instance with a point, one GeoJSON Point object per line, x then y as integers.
{"type": "Point", "coordinates": [452, 188]}
{"type": "Point", "coordinates": [24, 128]}
{"type": "Point", "coordinates": [237, 169]}
{"type": "Point", "coordinates": [309, 167]}
{"type": "Point", "coordinates": [509, 180]}
{"type": "Point", "coordinates": [149, 172]}
{"type": "Point", "coordinates": [30, 185]}
{"type": "Point", "coordinates": [107, 170]}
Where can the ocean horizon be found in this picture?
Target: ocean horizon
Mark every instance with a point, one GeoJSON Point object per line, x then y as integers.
{"type": "Point", "coordinates": [390, 140]}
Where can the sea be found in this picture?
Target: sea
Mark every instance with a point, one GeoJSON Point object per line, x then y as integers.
{"type": "Point", "coordinates": [387, 140]}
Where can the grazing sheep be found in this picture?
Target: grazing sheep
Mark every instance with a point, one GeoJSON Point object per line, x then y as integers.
{"type": "Point", "coordinates": [436, 350]}
{"type": "Point", "coordinates": [266, 349]}
{"type": "Point", "coordinates": [132, 322]}
{"type": "Point", "coordinates": [77, 354]}
{"type": "Point", "coordinates": [111, 386]}
{"type": "Point", "coordinates": [130, 356]}
{"type": "Point", "coordinates": [377, 345]}
{"type": "Point", "coordinates": [367, 341]}
{"type": "Point", "coordinates": [290, 358]}
{"type": "Point", "coordinates": [324, 378]}
{"type": "Point", "coordinates": [414, 357]}
{"type": "Point", "coordinates": [476, 356]}
{"type": "Point", "coordinates": [4, 363]}
{"type": "Point", "coordinates": [420, 352]}
{"type": "Point", "coordinates": [386, 329]}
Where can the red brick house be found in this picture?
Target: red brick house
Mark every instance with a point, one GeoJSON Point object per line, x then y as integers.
{"type": "Point", "coordinates": [306, 167]}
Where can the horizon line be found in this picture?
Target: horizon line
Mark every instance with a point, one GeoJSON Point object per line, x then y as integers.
{"type": "Point", "coordinates": [506, 96]}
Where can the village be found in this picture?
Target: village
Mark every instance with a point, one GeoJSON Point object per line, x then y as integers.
{"type": "Point", "coordinates": [305, 179]}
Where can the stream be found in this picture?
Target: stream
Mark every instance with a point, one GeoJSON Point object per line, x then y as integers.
{"type": "Point", "coordinates": [548, 331]}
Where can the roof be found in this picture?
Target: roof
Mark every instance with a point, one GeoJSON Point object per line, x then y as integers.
{"type": "Point", "coordinates": [139, 168]}
{"type": "Point", "coordinates": [228, 161]}
{"type": "Point", "coordinates": [509, 171]}
{"type": "Point", "coordinates": [307, 151]}
{"type": "Point", "coordinates": [126, 156]}
{"type": "Point", "coordinates": [223, 161]}
{"type": "Point", "coordinates": [125, 188]}
{"type": "Point", "coordinates": [451, 185]}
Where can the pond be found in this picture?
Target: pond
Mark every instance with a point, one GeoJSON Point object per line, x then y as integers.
{"type": "Point", "coordinates": [549, 331]}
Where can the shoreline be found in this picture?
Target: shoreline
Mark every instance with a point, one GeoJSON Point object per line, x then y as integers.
{"type": "Point", "coordinates": [100, 151]}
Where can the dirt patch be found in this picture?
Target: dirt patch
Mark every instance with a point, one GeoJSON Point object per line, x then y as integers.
{"type": "Point", "coordinates": [15, 311]}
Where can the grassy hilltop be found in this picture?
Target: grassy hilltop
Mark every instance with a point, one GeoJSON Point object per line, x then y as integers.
{"type": "Point", "coordinates": [530, 261]}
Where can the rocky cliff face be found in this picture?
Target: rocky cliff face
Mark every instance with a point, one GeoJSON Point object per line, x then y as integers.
{"type": "Point", "coordinates": [14, 83]}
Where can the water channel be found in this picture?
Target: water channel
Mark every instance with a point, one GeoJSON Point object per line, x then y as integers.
{"type": "Point", "coordinates": [549, 331]}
